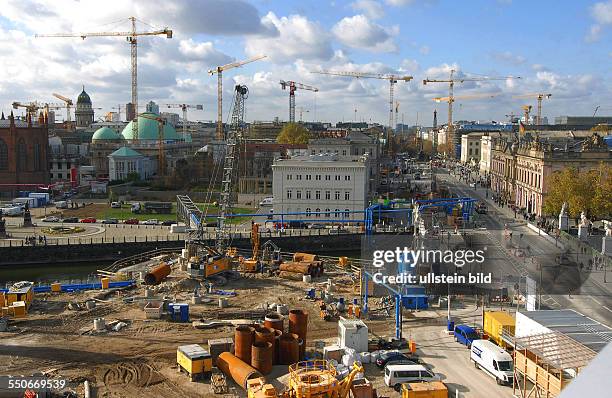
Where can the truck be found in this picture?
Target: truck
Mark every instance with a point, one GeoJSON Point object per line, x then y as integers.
{"type": "Point", "coordinates": [493, 360]}
{"type": "Point", "coordinates": [497, 323]}
{"type": "Point", "coordinates": [151, 207]}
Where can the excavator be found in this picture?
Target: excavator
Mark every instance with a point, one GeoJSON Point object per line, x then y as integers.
{"type": "Point", "coordinates": [309, 380]}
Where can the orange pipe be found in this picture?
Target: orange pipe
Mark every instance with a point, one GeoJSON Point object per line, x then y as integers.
{"type": "Point", "coordinates": [237, 369]}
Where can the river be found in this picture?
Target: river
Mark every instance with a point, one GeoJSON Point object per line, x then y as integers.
{"type": "Point", "coordinates": [45, 274]}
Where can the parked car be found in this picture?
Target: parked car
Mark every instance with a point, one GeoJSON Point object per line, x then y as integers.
{"type": "Point", "coordinates": [396, 374]}
{"type": "Point", "coordinates": [465, 335]}
{"type": "Point", "coordinates": [494, 360]}
{"type": "Point", "coordinates": [70, 219]}
{"type": "Point", "coordinates": [88, 220]}
{"type": "Point", "coordinates": [110, 221]}
{"type": "Point", "coordinates": [167, 223]}
{"type": "Point", "coordinates": [133, 221]}
{"type": "Point", "coordinates": [51, 219]}
{"type": "Point", "coordinates": [336, 231]}
{"type": "Point", "coordinates": [151, 222]}
{"type": "Point", "coordinates": [115, 205]}
{"type": "Point", "coordinates": [390, 357]}
{"type": "Point", "coordinates": [316, 226]}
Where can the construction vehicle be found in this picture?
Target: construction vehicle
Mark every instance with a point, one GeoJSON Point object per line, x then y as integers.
{"type": "Point", "coordinates": [293, 86]}
{"type": "Point", "coordinates": [307, 379]}
{"type": "Point", "coordinates": [132, 37]}
{"type": "Point", "coordinates": [194, 360]}
{"type": "Point", "coordinates": [252, 264]}
{"type": "Point", "coordinates": [219, 71]}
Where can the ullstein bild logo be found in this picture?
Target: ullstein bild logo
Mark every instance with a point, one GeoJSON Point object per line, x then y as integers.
{"type": "Point", "coordinates": [408, 258]}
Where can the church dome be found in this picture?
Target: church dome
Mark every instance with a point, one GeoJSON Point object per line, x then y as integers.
{"type": "Point", "coordinates": [148, 129]}
{"type": "Point", "coordinates": [107, 134]}
{"type": "Point", "coordinates": [84, 98]}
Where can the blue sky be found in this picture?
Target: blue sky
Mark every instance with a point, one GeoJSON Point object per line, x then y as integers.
{"type": "Point", "coordinates": [557, 47]}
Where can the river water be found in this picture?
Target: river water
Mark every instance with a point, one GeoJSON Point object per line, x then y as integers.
{"type": "Point", "coordinates": [46, 274]}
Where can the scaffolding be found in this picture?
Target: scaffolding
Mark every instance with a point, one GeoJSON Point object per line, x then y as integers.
{"type": "Point", "coordinates": [545, 363]}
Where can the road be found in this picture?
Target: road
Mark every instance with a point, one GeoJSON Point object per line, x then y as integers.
{"type": "Point", "coordinates": [589, 295]}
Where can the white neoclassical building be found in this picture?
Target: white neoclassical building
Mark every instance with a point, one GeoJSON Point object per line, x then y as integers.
{"type": "Point", "coordinates": [321, 183]}
{"type": "Point", "coordinates": [125, 161]}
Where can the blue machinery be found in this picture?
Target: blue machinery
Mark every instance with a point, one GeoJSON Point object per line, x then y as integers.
{"type": "Point", "coordinates": [409, 296]}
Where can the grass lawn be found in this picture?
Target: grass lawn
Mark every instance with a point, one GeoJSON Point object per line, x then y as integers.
{"type": "Point", "coordinates": [124, 213]}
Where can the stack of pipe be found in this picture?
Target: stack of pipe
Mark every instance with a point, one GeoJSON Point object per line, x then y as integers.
{"type": "Point", "coordinates": [275, 322]}
{"type": "Point", "coordinates": [244, 336]}
{"type": "Point", "coordinates": [302, 264]}
{"type": "Point", "coordinates": [298, 324]}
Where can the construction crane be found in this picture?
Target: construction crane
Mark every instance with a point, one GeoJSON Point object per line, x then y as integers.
{"type": "Point", "coordinates": [302, 111]}
{"type": "Point", "coordinates": [161, 154]}
{"type": "Point", "coordinates": [30, 107]}
{"type": "Point", "coordinates": [132, 38]}
{"type": "Point", "coordinates": [184, 108]}
{"type": "Point", "coordinates": [235, 134]}
{"type": "Point", "coordinates": [69, 104]}
{"type": "Point", "coordinates": [527, 111]}
{"type": "Point", "coordinates": [293, 87]}
{"type": "Point", "coordinates": [451, 85]}
{"type": "Point", "coordinates": [219, 71]}
{"type": "Point", "coordinates": [539, 97]}
{"type": "Point", "coordinates": [397, 105]}
{"type": "Point", "coordinates": [393, 79]}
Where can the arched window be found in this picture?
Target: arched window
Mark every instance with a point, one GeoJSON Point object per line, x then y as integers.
{"type": "Point", "coordinates": [308, 211]}
{"type": "Point", "coordinates": [22, 155]}
{"type": "Point", "coordinates": [337, 213]}
{"type": "Point", "coordinates": [37, 157]}
{"type": "Point", "coordinates": [318, 211]}
{"type": "Point", "coordinates": [347, 213]}
{"type": "Point", "coordinates": [3, 155]}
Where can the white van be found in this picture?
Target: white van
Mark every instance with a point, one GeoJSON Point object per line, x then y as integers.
{"type": "Point", "coordinates": [492, 359]}
{"type": "Point", "coordinates": [266, 202]}
{"type": "Point", "coordinates": [396, 374]}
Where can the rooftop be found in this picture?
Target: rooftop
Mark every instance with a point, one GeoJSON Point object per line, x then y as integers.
{"type": "Point", "coordinates": [125, 152]}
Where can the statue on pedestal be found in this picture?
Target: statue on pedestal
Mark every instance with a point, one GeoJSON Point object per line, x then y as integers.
{"type": "Point", "coordinates": [563, 218]}
{"type": "Point", "coordinates": [583, 227]}
{"type": "Point", "coordinates": [2, 226]}
{"type": "Point", "coordinates": [27, 217]}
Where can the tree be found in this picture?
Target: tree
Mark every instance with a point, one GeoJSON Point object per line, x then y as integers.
{"type": "Point", "coordinates": [293, 133]}
{"type": "Point", "coordinates": [589, 191]}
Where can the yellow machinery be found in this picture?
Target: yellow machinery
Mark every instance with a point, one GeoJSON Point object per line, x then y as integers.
{"type": "Point", "coordinates": [209, 263]}
{"type": "Point", "coordinates": [252, 264]}
{"type": "Point", "coordinates": [21, 291]}
{"type": "Point", "coordinates": [434, 389]}
{"type": "Point", "coordinates": [317, 379]}
{"type": "Point", "coordinates": [194, 360]}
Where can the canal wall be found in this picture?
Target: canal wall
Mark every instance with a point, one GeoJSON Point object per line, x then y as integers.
{"type": "Point", "coordinates": [108, 252]}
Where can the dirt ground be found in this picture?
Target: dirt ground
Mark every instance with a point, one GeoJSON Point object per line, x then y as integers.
{"type": "Point", "coordinates": [139, 360]}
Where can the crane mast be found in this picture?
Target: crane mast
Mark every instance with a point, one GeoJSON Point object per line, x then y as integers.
{"type": "Point", "coordinates": [293, 86]}
{"type": "Point", "coordinates": [235, 133]}
{"type": "Point", "coordinates": [132, 39]}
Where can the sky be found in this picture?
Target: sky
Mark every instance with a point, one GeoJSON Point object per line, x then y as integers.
{"type": "Point", "coordinates": [558, 47]}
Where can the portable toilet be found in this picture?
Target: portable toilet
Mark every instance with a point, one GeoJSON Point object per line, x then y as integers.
{"type": "Point", "coordinates": [179, 312]}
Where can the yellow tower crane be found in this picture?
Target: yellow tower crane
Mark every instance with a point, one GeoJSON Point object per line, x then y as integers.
{"type": "Point", "coordinates": [132, 38]}
{"type": "Point", "coordinates": [451, 86]}
{"type": "Point", "coordinates": [539, 97]}
{"type": "Point", "coordinates": [69, 104]}
{"type": "Point", "coordinates": [219, 71]}
{"type": "Point", "coordinates": [393, 79]}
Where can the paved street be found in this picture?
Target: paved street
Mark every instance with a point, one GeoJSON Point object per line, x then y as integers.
{"type": "Point", "coordinates": [593, 298]}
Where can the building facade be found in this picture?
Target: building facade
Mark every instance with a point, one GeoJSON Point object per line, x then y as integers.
{"type": "Point", "coordinates": [521, 170]}
{"type": "Point", "coordinates": [23, 152]}
{"type": "Point", "coordinates": [321, 183]}
{"type": "Point", "coordinates": [470, 148]}
{"type": "Point", "coordinates": [485, 154]}
{"type": "Point", "coordinates": [125, 161]}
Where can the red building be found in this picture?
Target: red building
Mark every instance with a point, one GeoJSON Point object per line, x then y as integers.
{"type": "Point", "coordinates": [23, 153]}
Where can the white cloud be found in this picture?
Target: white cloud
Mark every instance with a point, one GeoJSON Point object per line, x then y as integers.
{"type": "Point", "coordinates": [204, 52]}
{"type": "Point", "coordinates": [602, 14]}
{"type": "Point", "coordinates": [508, 57]}
{"type": "Point", "coordinates": [398, 3]}
{"type": "Point", "coordinates": [424, 50]}
{"type": "Point", "coordinates": [299, 38]}
{"type": "Point", "coordinates": [359, 32]}
{"type": "Point", "coordinates": [373, 9]}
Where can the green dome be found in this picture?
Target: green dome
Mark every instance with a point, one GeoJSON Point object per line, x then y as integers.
{"type": "Point", "coordinates": [148, 129]}
{"type": "Point", "coordinates": [83, 98]}
{"type": "Point", "coordinates": [106, 133]}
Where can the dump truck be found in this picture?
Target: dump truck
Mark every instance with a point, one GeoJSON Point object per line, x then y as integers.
{"type": "Point", "coordinates": [497, 323]}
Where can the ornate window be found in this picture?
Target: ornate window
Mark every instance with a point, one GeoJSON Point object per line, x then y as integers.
{"type": "Point", "coordinates": [22, 155]}
{"type": "Point", "coordinates": [3, 155]}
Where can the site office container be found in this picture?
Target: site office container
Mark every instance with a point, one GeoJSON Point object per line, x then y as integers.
{"type": "Point", "coordinates": [432, 389]}
{"type": "Point", "coordinates": [495, 322]}
{"type": "Point", "coordinates": [195, 360]}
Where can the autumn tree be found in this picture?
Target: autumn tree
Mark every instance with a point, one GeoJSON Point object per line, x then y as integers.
{"type": "Point", "coordinates": [293, 133]}
{"type": "Point", "coordinates": [589, 191]}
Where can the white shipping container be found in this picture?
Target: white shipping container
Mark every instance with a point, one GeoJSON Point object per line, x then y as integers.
{"type": "Point", "coordinates": [353, 333]}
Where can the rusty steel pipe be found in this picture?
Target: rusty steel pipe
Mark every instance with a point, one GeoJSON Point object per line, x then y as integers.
{"type": "Point", "coordinates": [244, 336]}
{"type": "Point", "coordinates": [289, 350]}
{"type": "Point", "coordinates": [237, 369]}
{"type": "Point", "coordinates": [274, 320]}
{"type": "Point", "coordinates": [157, 274]}
{"type": "Point", "coordinates": [262, 354]}
{"type": "Point", "coordinates": [277, 336]}
{"type": "Point", "coordinates": [298, 324]}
